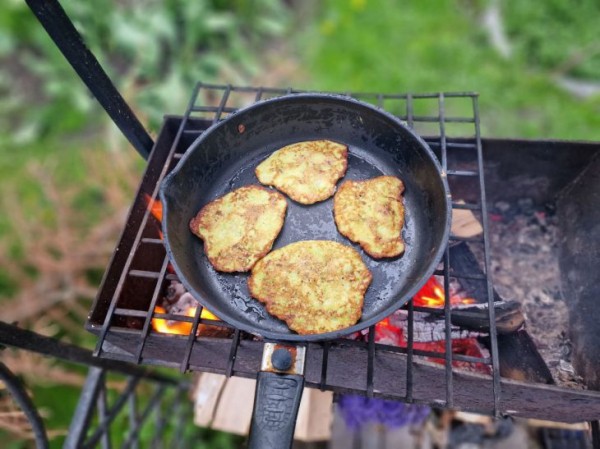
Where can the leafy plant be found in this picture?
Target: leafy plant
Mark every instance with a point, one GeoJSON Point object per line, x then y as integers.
{"type": "Point", "coordinates": [378, 46]}
{"type": "Point", "coordinates": [154, 50]}
{"type": "Point", "coordinates": [555, 34]}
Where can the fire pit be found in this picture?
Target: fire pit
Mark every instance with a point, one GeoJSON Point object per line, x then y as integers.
{"type": "Point", "coordinates": [137, 281]}
{"type": "Point", "coordinates": [458, 344]}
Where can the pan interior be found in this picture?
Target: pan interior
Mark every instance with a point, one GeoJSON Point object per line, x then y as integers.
{"type": "Point", "coordinates": [375, 149]}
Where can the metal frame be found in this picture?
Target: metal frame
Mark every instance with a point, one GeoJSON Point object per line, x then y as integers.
{"type": "Point", "coordinates": [167, 394]}
{"type": "Point", "coordinates": [328, 363]}
{"type": "Point", "coordinates": [15, 387]}
{"type": "Point", "coordinates": [95, 392]}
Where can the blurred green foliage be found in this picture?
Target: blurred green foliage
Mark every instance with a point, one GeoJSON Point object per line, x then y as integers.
{"type": "Point", "coordinates": [381, 46]}
{"type": "Point", "coordinates": [155, 50]}
{"type": "Point", "coordinates": [556, 34]}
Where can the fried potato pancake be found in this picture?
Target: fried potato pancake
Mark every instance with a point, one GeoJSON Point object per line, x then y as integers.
{"type": "Point", "coordinates": [240, 227]}
{"type": "Point", "coordinates": [315, 286]}
{"type": "Point", "coordinates": [371, 213]}
{"type": "Point", "coordinates": [305, 171]}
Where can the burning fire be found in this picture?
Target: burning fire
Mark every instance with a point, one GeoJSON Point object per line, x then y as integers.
{"type": "Point", "coordinates": [432, 295]}
{"type": "Point", "coordinates": [155, 208]}
{"type": "Point", "coordinates": [177, 327]}
{"type": "Point", "coordinates": [170, 326]}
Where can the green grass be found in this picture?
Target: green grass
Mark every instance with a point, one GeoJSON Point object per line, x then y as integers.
{"type": "Point", "coordinates": [380, 46]}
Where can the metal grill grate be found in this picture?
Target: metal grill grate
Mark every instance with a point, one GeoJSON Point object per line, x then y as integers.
{"type": "Point", "coordinates": [139, 272]}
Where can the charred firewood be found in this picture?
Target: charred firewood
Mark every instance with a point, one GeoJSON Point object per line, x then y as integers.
{"type": "Point", "coordinates": [467, 321]}
{"type": "Point", "coordinates": [509, 317]}
{"type": "Point", "coordinates": [518, 356]}
{"type": "Point", "coordinates": [462, 260]}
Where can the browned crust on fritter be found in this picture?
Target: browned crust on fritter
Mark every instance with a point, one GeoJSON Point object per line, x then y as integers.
{"type": "Point", "coordinates": [314, 196]}
{"type": "Point", "coordinates": [215, 260]}
{"type": "Point", "coordinates": [319, 288]}
{"type": "Point", "coordinates": [349, 221]}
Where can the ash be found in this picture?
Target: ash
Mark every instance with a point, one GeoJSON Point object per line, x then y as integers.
{"type": "Point", "coordinates": [524, 267]}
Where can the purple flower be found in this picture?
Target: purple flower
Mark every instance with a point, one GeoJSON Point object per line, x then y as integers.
{"type": "Point", "coordinates": [360, 410]}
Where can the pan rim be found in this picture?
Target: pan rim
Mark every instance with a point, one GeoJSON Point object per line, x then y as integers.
{"type": "Point", "coordinates": [397, 302]}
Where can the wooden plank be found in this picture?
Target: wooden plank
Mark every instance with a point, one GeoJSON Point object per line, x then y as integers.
{"type": "Point", "coordinates": [206, 396]}
{"type": "Point", "coordinates": [315, 416]}
{"type": "Point", "coordinates": [226, 404]}
{"type": "Point", "coordinates": [234, 410]}
{"type": "Point", "coordinates": [464, 223]}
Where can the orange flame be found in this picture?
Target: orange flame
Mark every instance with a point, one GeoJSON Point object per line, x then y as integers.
{"type": "Point", "coordinates": [170, 326]}
{"type": "Point", "coordinates": [155, 207]}
{"type": "Point", "coordinates": [432, 295]}
{"type": "Point", "coordinates": [178, 327]}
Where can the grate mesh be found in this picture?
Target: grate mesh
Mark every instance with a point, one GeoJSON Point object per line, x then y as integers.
{"type": "Point", "coordinates": [138, 275]}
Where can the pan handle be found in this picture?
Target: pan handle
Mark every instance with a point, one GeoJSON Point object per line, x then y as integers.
{"type": "Point", "coordinates": [275, 410]}
{"type": "Point", "coordinates": [279, 387]}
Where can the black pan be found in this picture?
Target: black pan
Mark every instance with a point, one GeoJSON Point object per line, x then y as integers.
{"type": "Point", "coordinates": [224, 158]}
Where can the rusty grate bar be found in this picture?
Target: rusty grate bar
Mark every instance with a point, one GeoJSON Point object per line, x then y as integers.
{"type": "Point", "coordinates": [486, 252]}
{"type": "Point", "coordinates": [138, 237]}
{"type": "Point", "coordinates": [212, 103]}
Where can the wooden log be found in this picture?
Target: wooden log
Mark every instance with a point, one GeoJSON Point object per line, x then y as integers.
{"type": "Point", "coordinates": [462, 260]}
{"type": "Point", "coordinates": [207, 389]}
{"type": "Point", "coordinates": [518, 356]}
{"type": "Point", "coordinates": [234, 409]}
{"type": "Point", "coordinates": [347, 368]}
{"type": "Point", "coordinates": [226, 405]}
{"type": "Point", "coordinates": [509, 317]}
{"type": "Point", "coordinates": [464, 223]}
{"type": "Point", "coordinates": [314, 416]}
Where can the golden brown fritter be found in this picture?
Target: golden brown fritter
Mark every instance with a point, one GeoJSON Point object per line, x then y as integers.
{"type": "Point", "coordinates": [305, 171]}
{"type": "Point", "coordinates": [371, 213]}
{"type": "Point", "coordinates": [240, 227]}
{"type": "Point", "coordinates": [315, 286]}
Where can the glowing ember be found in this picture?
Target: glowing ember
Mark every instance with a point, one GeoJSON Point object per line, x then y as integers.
{"type": "Point", "coordinates": [155, 207]}
{"type": "Point", "coordinates": [170, 326]}
{"type": "Point", "coordinates": [177, 327]}
{"type": "Point", "coordinates": [432, 295]}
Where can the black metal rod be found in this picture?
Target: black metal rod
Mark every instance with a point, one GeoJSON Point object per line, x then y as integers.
{"type": "Point", "coordinates": [153, 301]}
{"type": "Point", "coordinates": [60, 28]}
{"type": "Point", "coordinates": [106, 420]}
{"type": "Point", "coordinates": [20, 338]}
{"type": "Point", "coordinates": [370, 361]}
{"type": "Point", "coordinates": [410, 351]}
{"type": "Point", "coordinates": [133, 419]}
{"type": "Point", "coordinates": [487, 264]}
{"type": "Point", "coordinates": [19, 395]}
{"type": "Point", "coordinates": [83, 412]}
{"type": "Point", "coordinates": [595, 434]}
{"type": "Point", "coordinates": [235, 343]}
{"type": "Point", "coordinates": [102, 405]}
{"type": "Point", "coordinates": [152, 405]}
